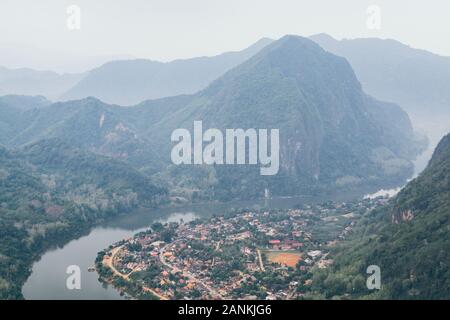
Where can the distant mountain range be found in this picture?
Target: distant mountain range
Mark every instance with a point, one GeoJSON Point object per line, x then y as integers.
{"type": "Point", "coordinates": [31, 82]}
{"type": "Point", "coordinates": [20, 56]}
{"type": "Point", "coordinates": [125, 82]}
{"type": "Point", "coordinates": [418, 80]}
{"type": "Point", "coordinates": [129, 82]}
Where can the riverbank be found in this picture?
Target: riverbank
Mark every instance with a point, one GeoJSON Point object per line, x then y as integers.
{"type": "Point", "coordinates": [35, 251]}
{"type": "Point", "coordinates": [238, 255]}
{"type": "Point", "coordinates": [53, 239]}
{"type": "Point", "coordinates": [108, 262]}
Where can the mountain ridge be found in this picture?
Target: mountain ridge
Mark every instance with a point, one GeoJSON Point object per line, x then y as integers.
{"type": "Point", "coordinates": [417, 79]}
{"type": "Point", "coordinates": [153, 79]}
{"type": "Point", "coordinates": [279, 86]}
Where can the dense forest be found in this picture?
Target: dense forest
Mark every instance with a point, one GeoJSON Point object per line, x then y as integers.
{"type": "Point", "coordinates": [51, 192]}
{"type": "Point", "coordinates": [408, 239]}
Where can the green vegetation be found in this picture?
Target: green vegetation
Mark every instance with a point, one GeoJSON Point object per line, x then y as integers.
{"type": "Point", "coordinates": [332, 135]}
{"type": "Point", "coordinates": [69, 165]}
{"type": "Point", "coordinates": [51, 192]}
{"type": "Point", "coordinates": [408, 239]}
{"type": "Point", "coordinates": [241, 254]}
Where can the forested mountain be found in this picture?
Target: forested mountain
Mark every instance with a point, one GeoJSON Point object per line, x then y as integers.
{"type": "Point", "coordinates": [332, 134]}
{"type": "Point", "coordinates": [125, 81]}
{"type": "Point", "coordinates": [12, 110]}
{"type": "Point", "coordinates": [408, 239]}
{"type": "Point", "coordinates": [129, 82]}
{"type": "Point", "coordinates": [50, 192]}
{"type": "Point", "coordinates": [92, 125]}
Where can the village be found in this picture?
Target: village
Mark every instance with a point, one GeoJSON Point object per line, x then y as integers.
{"type": "Point", "coordinates": [246, 254]}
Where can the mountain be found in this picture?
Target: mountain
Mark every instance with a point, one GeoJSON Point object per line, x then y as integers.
{"type": "Point", "coordinates": [417, 80]}
{"type": "Point", "coordinates": [129, 82]}
{"type": "Point", "coordinates": [332, 134]}
{"type": "Point", "coordinates": [89, 124]}
{"type": "Point", "coordinates": [25, 81]}
{"type": "Point", "coordinates": [51, 192]}
{"type": "Point", "coordinates": [408, 240]}
{"type": "Point", "coordinates": [87, 171]}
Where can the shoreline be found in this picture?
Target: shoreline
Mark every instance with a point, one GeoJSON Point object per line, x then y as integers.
{"type": "Point", "coordinates": [108, 262]}
{"type": "Point", "coordinates": [181, 267]}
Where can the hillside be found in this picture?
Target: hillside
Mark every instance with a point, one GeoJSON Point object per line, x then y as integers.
{"type": "Point", "coordinates": [51, 192]}
{"type": "Point", "coordinates": [12, 110]}
{"type": "Point", "coordinates": [89, 124]}
{"type": "Point", "coordinates": [408, 239]}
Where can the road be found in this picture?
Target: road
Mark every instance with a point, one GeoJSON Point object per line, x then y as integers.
{"type": "Point", "coordinates": [261, 265]}
{"type": "Point", "coordinates": [109, 262]}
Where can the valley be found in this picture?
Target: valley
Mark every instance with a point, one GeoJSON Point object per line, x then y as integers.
{"type": "Point", "coordinates": [78, 177]}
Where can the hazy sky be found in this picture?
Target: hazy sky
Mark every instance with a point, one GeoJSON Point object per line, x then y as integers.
{"type": "Point", "coordinates": [169, 29]}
